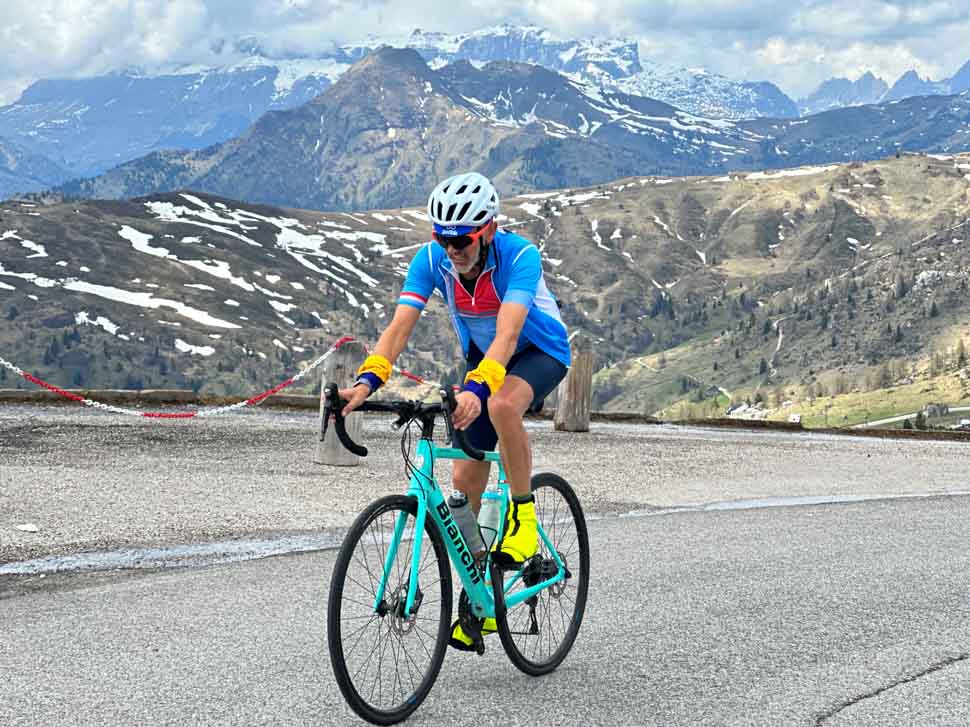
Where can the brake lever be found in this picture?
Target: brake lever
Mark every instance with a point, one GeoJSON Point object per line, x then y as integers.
{"type": "Point", "coordinates": [333, 407]}
{"type": "Point", "coordinates": [458, 436]}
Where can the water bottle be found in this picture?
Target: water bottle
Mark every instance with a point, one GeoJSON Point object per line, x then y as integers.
{"type": "Point", "coordinates": [490, 513]}
{"type": "Point", "coordinates": [462, 514]}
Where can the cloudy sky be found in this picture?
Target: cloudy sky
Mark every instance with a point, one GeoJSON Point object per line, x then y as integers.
{"type": "Point", "coordinates": [794, 43]}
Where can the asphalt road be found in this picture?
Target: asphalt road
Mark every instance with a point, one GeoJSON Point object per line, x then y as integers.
{"type": "Point", "coordinates": [839, 614]}
{"type": "Point", "coordinates": [85, 481]}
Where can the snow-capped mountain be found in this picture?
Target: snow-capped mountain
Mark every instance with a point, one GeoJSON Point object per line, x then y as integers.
{"type": "Point", "coordinates": [841, 93]}
{"type": "Point", "coordinates": [911, 84]}
{"type": "Point", "coordinates": [391, 123]}
{"type": "Point", "coordinates": [609, 58]}
{"type": "Point", "coordinates": [609, 63]}
{"type": "Point", "coordinates": [90, 125]}
{"type": "Point", "coordinates": [709, 94]}
{"type": "Point", "coordinates": [837, 93]}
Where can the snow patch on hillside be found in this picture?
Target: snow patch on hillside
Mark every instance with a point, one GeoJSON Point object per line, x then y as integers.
{"type": "Point", "coordinates": [83, 318]}
{"type": "Point", "coordinates": [185, 347]}
{"type": "Point", "coordinates": [146, 300]}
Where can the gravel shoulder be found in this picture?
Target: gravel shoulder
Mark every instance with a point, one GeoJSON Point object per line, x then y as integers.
{"type": "Point", "coordinates": [93, 481]}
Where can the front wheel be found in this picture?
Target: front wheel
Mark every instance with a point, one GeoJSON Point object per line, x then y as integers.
{"type": "Point", "coordinates": [538, 633]}
{"type": "Point", "coordinates": [386, 659]}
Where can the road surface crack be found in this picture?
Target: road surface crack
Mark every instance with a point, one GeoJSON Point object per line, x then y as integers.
{"type": "Point", "coordinates": [822, 719]}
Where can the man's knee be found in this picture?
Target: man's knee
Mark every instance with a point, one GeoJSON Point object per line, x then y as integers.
{"type": "Point", "coordinates": [470, 477]}
{"type": "Point", "coordinates": [504, 408]}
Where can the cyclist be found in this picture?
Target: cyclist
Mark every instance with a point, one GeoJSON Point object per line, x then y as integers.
{"type": "Point", "coordinates": [514, 342]}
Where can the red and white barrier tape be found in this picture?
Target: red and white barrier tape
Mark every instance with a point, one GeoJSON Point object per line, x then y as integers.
{"type": "Point", "coordinates": [215, 411]}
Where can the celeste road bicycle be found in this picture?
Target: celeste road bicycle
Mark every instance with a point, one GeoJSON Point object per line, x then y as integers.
{"type": "Point", "coordinates": [390, 604]}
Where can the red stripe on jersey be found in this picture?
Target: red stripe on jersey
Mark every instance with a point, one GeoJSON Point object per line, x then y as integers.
{"type": "Point", "coordinates": [484, 303]}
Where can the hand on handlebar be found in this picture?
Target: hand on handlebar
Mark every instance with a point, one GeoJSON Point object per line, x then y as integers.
{"type": "Point", "coordinates": [354, 396]}
{"type": "Point", "coordinates": [468, 409]}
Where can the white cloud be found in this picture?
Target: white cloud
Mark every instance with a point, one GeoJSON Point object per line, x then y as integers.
{"type": "Point", "coordinates": [796, 44]}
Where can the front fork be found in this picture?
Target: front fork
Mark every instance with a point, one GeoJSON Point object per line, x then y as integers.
{"type": "Point", "coordinates": [399, 525]}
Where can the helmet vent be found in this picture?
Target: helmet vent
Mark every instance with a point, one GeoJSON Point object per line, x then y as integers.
{"type": "Point", "coordinates": [461, 189]}
{"type": "Point", "coordinates": [477, 189]}
{"type": "Point", "coordinates": [464, 209]}
{"type": "Point", "coordinates": [480, 215]}
{"type": "Point", "coordinates": [439, 210]}
{"type": "Point", "coordinates": [451, 213]}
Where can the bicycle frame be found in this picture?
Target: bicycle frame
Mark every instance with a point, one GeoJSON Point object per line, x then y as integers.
{"type": "Point", "coordinates": [424, 488]}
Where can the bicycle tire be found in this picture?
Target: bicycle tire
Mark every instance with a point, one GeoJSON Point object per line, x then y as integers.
{"type": "Point", "coordinates": [351, 600]}
{"type": "Point", "coordinates": [573, 546]}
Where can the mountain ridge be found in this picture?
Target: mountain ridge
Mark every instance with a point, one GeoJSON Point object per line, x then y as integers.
{"type": "Point", "coordinates": [90, 125]}
{"type": "Point", "coordinates": [683, 286]}
{"type": "Point", "coordinates": [390, 123]}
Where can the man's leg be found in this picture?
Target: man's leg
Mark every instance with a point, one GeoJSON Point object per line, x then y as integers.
{"type": "Point", "coordinates": [471, 477]}
{"type": "Point", "coordinates": [520, 540]}
{"type": "Point", "coordinates": [506, 409]}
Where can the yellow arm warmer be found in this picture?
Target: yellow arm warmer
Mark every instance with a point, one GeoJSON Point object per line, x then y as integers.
{"type": "Point", "coordinates": [489, 372]}
{"type": "Point", "coordinates": [377, 365]}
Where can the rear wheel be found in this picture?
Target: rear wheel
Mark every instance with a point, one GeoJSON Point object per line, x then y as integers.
{"type": "Point", "coordinates": [538, 633]}
{"type": "Point", "coordinates": [386, 661]}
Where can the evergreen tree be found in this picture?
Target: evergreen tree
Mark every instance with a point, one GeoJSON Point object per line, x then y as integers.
{"type": "Point", "coordinates": [901, 288]}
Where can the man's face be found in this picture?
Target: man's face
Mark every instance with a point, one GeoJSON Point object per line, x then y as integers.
{"type": "Point", "coordinates": [464, 260]}
{"type": "Point", "coordinates": [464, 250]}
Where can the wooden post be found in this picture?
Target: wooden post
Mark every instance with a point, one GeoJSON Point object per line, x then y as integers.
{"type": "Point", "coordinates": [576, 390]}
{"type": "Point", "coordinates": [341, 369]}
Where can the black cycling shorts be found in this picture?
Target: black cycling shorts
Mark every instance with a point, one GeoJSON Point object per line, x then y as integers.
{"type": "Point", "coordinates": [540, 370]}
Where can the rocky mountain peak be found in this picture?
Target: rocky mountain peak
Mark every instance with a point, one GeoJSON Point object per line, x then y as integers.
{"type": "Point", "coordinates": [395, 60]}
{"type": "Point", "coordinates": [960, 81]}
{"type": "Point", "coordinates": [841, 92]}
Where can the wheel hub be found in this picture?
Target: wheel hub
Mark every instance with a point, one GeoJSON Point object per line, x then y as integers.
{"type": "Point", "coordinates": [538, 569]}
{"type": "Point", "coordinates": [398, 622]}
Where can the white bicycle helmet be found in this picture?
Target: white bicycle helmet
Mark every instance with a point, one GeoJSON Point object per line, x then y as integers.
{"type": "Point", "coordinates": [464, 200]}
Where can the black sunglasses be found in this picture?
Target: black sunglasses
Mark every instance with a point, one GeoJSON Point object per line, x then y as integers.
{"type": "Point", "coordinates": [460, 242]}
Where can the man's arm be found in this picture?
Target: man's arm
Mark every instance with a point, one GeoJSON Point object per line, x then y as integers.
{"type": "Point", "coordinates": [508, 326]}
{"type": "Point", "coordinates": [389, 345]}
{"type": "Point", "coordinates": [395, 336]}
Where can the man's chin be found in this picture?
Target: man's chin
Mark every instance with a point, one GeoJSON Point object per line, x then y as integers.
{"type": "Point", "coordinates": [463, 269]}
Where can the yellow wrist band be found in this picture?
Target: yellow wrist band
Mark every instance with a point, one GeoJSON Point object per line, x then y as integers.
{"type": "Point", "coordinates": [377, 365]}
{"type": "Point", "coordinates": [489, 372]}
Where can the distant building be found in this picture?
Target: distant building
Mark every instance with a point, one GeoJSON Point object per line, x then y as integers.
{"type": "Point", "coordinates": [936, 410]}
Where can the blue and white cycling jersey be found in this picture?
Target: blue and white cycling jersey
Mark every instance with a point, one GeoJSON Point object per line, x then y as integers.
{"type": "Point", "coordinates": [513, 274]}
